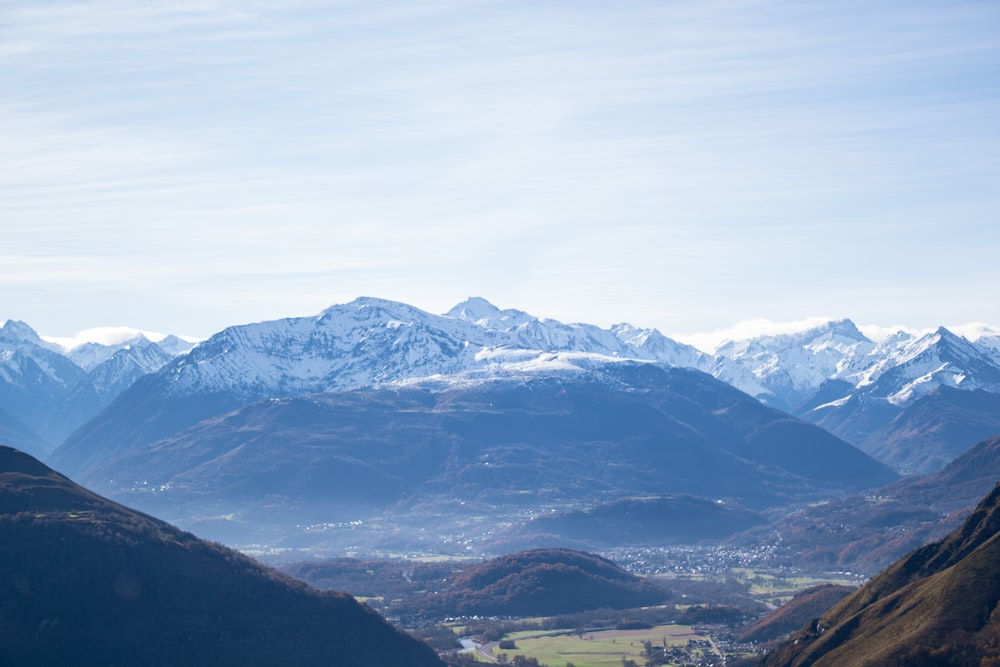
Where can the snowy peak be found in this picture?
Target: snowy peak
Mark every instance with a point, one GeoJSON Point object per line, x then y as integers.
{"type": "Point", "coordinates": [130, 362]}
{"type": "Point", "coordinates": [16, 335]}
{"type": "Point", "coordinates": [937, 359]}
{"type": "Point", "coordinates": [374, 341]}
{"type": "Point", "coordinates": [16, 331]}
{"type": "Point", "coordinates": [480, 311]}
{"type": "Point", "coordinates": [90, 355]}
{"type": "Point", "coordinates": [792, 366]}
{"type": "Point", "coordinates": [361, 343]}
{"type": "Point", "coordinates": [28, 363]}
{"type": "Point", "coordinates": [651, 344]}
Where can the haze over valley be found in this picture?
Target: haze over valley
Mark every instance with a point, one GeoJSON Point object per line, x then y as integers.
{"type": "Point", "coordinates": [461, 333]}
{"type": "Point", "coordinates": [375, 434]}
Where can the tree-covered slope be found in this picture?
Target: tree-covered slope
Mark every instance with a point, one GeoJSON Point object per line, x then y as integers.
{"type": "Point", "coordinates": [90, 582]}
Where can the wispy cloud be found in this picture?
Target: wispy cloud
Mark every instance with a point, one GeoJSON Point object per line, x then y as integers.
{"type": "Point", "coordinates": [677, 164]}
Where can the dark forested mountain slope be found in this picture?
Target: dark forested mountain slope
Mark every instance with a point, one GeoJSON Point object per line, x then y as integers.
{"type": "Point", "coordinates": [547, 582]}
{"type": "Point", "coordinates": [630, 430]}
{"type": "Point", "coordinates": [528, 583]}
{"type": "Point", "coordinates": [90, 582]}
{"type": "Point", "coordinates": [936, 606]}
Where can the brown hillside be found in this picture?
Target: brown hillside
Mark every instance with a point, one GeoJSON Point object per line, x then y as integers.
{"type": "Point", "coordinates": [939, 605]}
{"type": "Point", "coordinates": [801, 609]}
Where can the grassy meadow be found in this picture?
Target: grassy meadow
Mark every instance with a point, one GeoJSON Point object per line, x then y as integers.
{"type": "Point", "coordinates": [605, 648]}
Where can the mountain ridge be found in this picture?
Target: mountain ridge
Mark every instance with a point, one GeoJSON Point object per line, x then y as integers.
{"type": "Point", "coordinates": [828, 372]}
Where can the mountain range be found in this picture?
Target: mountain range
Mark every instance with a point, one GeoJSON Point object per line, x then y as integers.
{"type": "Point", "coordinates": [47, 390]}
{"type": "Point", "coordinates": [888, 396]}
{"type": "Point", "coordinates": [229, 419]}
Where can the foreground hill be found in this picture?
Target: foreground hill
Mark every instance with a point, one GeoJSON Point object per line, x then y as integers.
{"type": "Point", "coordinates": [428, 455]}
{"type": "Point", "coordinates": [937, 606]}
{"type": "Point", "coordinates": [547, 582]}
{"type": "Point", "coordinates": [536, 582]}
{"type": "Point", "coordinates": [90, 582]}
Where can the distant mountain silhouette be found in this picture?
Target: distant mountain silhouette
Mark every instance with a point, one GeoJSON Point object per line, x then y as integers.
{"type": "Point", "coordinates": [89, 582]}
{"type": "Point", "coordinates": [16, 434]}
{"type": "Point", "coordinates": [937, 606]}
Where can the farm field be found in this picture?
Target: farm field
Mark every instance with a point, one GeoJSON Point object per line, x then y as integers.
{"type": "Point", "coordinates": [781, 589]}
{"type": "Point", "coordinates": [605, 648]}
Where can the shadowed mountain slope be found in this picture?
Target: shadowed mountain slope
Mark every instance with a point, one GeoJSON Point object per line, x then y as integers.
{"type": "Point", "coordinates": [647, 520]}
{"type": "Point", "coordinates": [16, 434]}
{"type": "Point", "coordinates": [629, 430]}
{"type": "Point", "coordinates": [868, 533]}
{"type": "Point", "coordinates": [90, 582]}
{"type": "Point", "coordinates": [936, 429]}
{"type": "Point", "coordinates": [936, 606]}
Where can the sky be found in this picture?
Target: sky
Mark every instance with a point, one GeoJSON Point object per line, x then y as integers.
{"type": "Point", "coordinates": [185, 166]}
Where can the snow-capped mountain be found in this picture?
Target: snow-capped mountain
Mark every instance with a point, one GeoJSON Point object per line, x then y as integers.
{"type": "Point", "coordinates": [365, 343]}
{"type": "Point", "coordinates": [939, 359]}
{"type": "Point", "coordinates": [103, 384]}
{"type": "Point", "coordinates": [92, 347]}
{"type": "Point", "coordinates": [922, 401]}
{"type": "Point", "coordinates": [621, 340]}
{"type": "Point", "coordinates": [34, 375]}
{"type": "Point", "coordinates": [885, 396]}
{"type": "Point", "coordinates": [829, 371]}
{"type": "Point", "coordinates": [374, 341]}
{"type": "Point", "coordinates": [792, 367]}
{"type": "Point", "coordinates": [900, 368]}
{"type": "Point", "coordinates": [54, 385]}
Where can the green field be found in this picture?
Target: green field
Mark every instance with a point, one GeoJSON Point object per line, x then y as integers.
{"type": "Point", "coordinates": [781, 589]}
{"type": "Point", "coordinates": [606, 648]}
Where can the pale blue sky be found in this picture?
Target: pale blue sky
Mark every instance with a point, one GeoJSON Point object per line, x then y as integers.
{"type": "Point", "coordinates": [183, 166]}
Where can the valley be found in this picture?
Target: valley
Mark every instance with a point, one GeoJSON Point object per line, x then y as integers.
{"type": "Point", "coordinates": [487, 473]}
